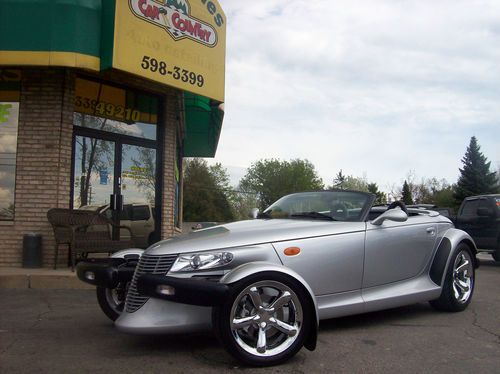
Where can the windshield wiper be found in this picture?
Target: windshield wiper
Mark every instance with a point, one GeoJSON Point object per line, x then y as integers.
{"type": "Point", "coordinates": [314, 215]}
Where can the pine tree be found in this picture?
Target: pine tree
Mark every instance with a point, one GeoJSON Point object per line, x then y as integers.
{"type": "Point", "coordinates": [475, 176]}
{"type": "Point", "coordinates": [407, 198]}
{"type": "Point", "coordinates": [380, 197]}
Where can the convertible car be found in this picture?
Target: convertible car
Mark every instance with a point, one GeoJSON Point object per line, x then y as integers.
{"type": "Point", "coordinates": [263, 285]}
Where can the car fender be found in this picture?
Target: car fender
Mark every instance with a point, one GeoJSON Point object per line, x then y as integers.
{"type": "Point", "coordinates": [252, 268]}
{"type": "Point", "coordinates": [450, 241]}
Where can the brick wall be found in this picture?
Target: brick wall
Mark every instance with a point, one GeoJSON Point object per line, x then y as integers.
{"type": "Point", "coordinates": [171, 104]}
{"type": "Point", "coordinates": [43, 170]}
{"type": "Point", "coordinates": [43, 162]}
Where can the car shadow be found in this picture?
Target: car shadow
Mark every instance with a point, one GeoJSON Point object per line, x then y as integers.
{"type": "Point", "coordinates": [205, 348]}
{"type": "Point", "coordinates": [395, 316]}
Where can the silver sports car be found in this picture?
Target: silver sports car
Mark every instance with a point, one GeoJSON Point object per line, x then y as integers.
{"type": "Point", "coordinates": [263, 285]}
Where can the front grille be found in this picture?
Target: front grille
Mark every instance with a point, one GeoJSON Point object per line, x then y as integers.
{"type": "Point", "coordinates": [147, 265]}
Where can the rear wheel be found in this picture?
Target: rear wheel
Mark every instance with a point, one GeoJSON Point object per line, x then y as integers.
{"type": "Point", "coordinates": [459, 282]}
{"type": "Point", "coordinates": [112, 300]}
{"type": "Point", "coordinates": [496, 255]}
{"type": "Point", "coordinates": [265, 320]}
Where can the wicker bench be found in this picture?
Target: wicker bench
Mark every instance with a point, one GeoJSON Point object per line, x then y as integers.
{"type": "Point", "coordinates": [85, 232]}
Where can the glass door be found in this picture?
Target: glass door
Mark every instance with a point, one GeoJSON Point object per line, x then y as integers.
{"type": "Point", "coordinates": [94, 164]}
{"type": "Point", "coordinates": [116, 156]}
{"type": "Point", "coordinates": [138, 186]}
{"type": "Point", "coordinates": [118, 180]}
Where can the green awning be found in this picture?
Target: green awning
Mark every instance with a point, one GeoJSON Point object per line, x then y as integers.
{"type": "Point", "coordinates": [203, 119]}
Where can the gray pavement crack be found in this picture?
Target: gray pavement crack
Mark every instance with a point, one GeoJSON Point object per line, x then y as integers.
{"type": "Point", "coordinates": [38, 318]}
{"type": "Point", "coordinates": [41, 314]}
{"type": "Point", "coordinates": [475, 323]}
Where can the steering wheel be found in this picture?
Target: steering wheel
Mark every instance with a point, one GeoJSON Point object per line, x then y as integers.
{"type": "Point", "coordinates": [338, 211]}
{"type": "Point", "coordinates": [399, 204]}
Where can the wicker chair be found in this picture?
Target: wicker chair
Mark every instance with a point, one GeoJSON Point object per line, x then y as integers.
{"type": "Point", "coordinates": [85, 232]}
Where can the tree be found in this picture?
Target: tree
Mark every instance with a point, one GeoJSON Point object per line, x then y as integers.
{"type": "Point", "coordinates": [380, 197]}
{"type": "Point", "coordinates": [406, 194]}
{"type": "Point", "coordinates": [243, 204]}
{"type": "Point", "coordinates": [145, 162]}
{"type": "Point", "coordinates": [444, 197]}
{"type": "Point", "coordinates": [272, 178]}
{"type": "Point", "coordinates": [339, 181]}
{"type": "Point", "coordinates": [94, 155]}
{"type": "Point", "coordinates": [475, 176]}
{"type": "Point", "coordinates": [349, 182]}
{"type": "Point", "coordinates": [205, 192]}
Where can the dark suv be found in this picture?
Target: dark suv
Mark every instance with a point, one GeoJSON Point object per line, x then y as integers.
{"type": "Point", "coordinates": [480, 217]}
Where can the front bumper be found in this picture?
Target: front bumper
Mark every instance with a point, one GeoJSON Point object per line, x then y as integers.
{"type": "Point", "coordinates": [191, 291]}
{"type": "Point", "coordinates": [106, 273]}
{"type": "Point", "coordinates": [165, 317]}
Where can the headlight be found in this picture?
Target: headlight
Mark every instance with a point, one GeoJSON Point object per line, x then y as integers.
{"type": "Point", "coordinates": [201, 261]}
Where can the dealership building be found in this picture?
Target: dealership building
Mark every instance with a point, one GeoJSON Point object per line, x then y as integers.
{"type": "Point", "coordinates": [100, 100]}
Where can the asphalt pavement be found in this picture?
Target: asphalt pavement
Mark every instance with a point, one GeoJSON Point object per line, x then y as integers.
{"type": "Point", "coordinates": [60, 331]}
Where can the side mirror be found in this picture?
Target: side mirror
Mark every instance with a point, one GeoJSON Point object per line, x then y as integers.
{"type": "Point", "coordinates": [484, 212]}
{"type": "Point", "coordinates": [253, 213]}
{"type": "Point", "coordinates": [396, 215]}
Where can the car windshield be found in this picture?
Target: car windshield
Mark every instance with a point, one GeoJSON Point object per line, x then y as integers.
{"type": "Point", "coordinates": [325, 205]}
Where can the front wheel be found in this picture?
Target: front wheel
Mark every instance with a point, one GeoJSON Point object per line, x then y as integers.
{"type": "Point", "coordinates": [458, 285]}
{"type": "Point", "coordinates": [112, 300]}
{"type": "Point", "coordinates": [265, 320]}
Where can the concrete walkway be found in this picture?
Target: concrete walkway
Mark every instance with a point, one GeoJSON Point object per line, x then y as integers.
{"type": "Point", "coordinates": [40, 278]}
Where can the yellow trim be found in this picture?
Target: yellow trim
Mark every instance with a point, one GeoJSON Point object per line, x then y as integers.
{"type": "Point", "coordinates": [69, 59]}
{"type": "Point", "coordinates": [9, 96]}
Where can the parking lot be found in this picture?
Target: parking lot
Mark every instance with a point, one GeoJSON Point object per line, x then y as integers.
{"type": "Point", "coordinates": [64, 330]}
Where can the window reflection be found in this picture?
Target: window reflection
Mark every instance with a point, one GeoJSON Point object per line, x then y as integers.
{"type": "Point", "coordinates": [9, 114]}
{"type": "Point", "coordinates": [107, 108]}
{"type": "Point", "coordinates": [138, 174]}
{"type": "Point", "coordinates": [93, 171]}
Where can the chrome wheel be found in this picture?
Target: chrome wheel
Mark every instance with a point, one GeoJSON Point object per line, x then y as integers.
{"type": "Point", "coordinates": [266, 318]}
{"type": "Point", "coordinates": [112, 300]}
{"type": "Point", "coordinates": [115, 298]}
{"type": "Point", "coordinates": [463, 277]}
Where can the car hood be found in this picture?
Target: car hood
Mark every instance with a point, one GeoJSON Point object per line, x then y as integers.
{"type": "Point", "coordinates": [252, 232]}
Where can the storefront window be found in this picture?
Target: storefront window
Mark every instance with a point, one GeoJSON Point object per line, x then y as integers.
{"type": "Point", "coordinates": [115, 157]}
{"type": "Point", "coordinates": [178, 172]}
{"type": "Point", "coordinates": [112, 109]}
{"type": "Point", "coordinates": [9, 117]}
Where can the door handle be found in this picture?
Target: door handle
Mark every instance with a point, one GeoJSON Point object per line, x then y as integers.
{"type": "Point", "coordinates": [431, 231]}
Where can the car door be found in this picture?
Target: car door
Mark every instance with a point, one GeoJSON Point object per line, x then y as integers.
{"type": "Point", "coordinates": [467, 218]}
{"type": "Point", "coordinates": [396, 251]}
{"type": "Point", "coordinates": [329, 263]}
{"type": "Point", "coordinates": [486, 231]}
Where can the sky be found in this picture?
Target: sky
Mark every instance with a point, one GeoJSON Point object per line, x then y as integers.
{"type": "Point", "coordinates": [376, 88]}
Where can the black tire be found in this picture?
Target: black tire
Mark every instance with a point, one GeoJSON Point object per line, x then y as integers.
{"type": "Point", "coordinates": [111, 301]}
{"type": "Point", "coordinates": [459, 282]}
{"type": "Point", "coordinates": [496, 255]}
{"type": "Point", "coordinates": [278, 346]}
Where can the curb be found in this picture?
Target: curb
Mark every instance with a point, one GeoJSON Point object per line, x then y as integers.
{"type": "Point", "coordinates": [42, 281]}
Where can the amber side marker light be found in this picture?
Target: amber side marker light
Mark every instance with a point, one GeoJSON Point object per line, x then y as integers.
{"type": "Point", "coordinates": [292, 251]}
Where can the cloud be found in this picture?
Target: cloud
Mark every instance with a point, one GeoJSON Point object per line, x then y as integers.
{"type": "Point", "coordinates": [378, 87]}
